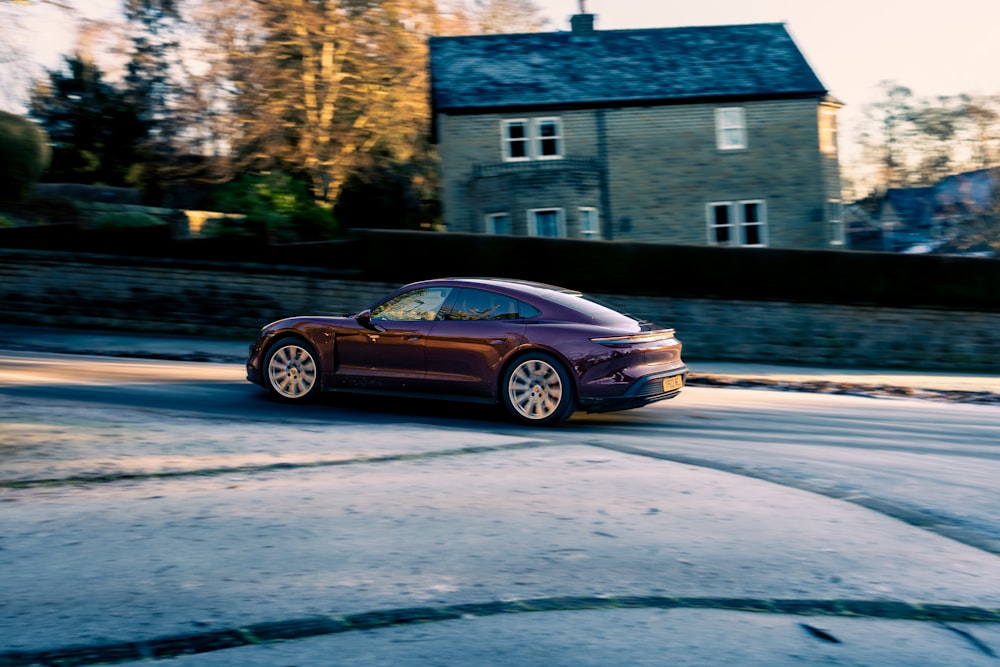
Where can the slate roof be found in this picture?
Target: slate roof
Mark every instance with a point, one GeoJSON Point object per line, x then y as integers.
{"type": "Point", "coordinates": [618, 67]}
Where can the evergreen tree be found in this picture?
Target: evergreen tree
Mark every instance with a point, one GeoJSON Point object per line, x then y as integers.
{"type": "Point", "coordinates": [95, 131]}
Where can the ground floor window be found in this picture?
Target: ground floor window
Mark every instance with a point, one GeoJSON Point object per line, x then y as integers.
{"type": "Point", "coordinates": [835, 222]}
{"type": "Point", "coordinates": [548, 222]}
{"type": "Point", "coordinates": [499, 223]}
{"type": "Point", "coordinates": [590, 224]}
{"type": "Point", "coordinates": [737, 223]}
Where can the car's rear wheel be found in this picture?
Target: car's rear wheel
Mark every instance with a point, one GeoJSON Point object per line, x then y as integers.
{"type": "Point", "coordinates": [538, 390]}
{"type": "Point", "coordinates": [292, 370]}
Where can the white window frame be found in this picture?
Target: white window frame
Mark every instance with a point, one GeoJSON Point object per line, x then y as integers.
{"type": "Point", "coordinates": [560, 221]}
{"type": "Point", "coordinates": [592, 215]}
{"type": "Point", "coordinates": [835, 222]}
{"type": "Point", "coordinates": [539, 139]}
{"type": "Point", "coordinates": [533, 140]}
{"type": "Point", "coordinates": [492, 220]}
{"type": "Point", "coordinates": [506, 141]}
{"type": "Point", "coordinates": [827, 131]}
{"type": "Point", "coordinates": [730, 128]}
{"type": "Point", "coordinates": [736, 223]}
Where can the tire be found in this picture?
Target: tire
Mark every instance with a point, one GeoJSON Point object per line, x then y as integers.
{"type": "Point", "coordinates": [291, 370]}
{"type": "Point", "coordinates": [538, 390]}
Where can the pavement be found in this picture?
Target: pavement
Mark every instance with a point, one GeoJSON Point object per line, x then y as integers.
{"type": "Point", "coordinates": [690, 628]}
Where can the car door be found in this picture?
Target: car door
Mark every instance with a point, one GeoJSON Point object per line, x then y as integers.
{"type": "Point", "coordinates": [467, 346]}
{"type": "Point", "coordinates": [388, 351]}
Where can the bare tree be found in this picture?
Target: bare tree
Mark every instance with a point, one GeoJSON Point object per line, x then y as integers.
{"type": "Point", "coordinates": [890, 119]}
{"type": "Point", "coordinates": [489, 17]}
{"type": "Point", "coordinates": [313, 85]}
{"type": "Point", "coordinates": [981, 130]}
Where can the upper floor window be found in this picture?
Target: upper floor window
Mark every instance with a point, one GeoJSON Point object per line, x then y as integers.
{"type": "Point", "coordinates": [835, 222]}
{"type": "Point", "coordinates": [740, 223]}
{"type": "Point", "coordinates": [730, 128]}
{"type": "Point", "coordinates": [532, 139]}
{"type": "Point", "coordinates": [499, 223]}
{"type": "Point", "coordinates": [548, 138]}
{"type": "Point", "coordinates": [516, 142]}
{"type": "Point", "coordinates": [546, 222]}
{"type": "Point", "coordinates": [590, 225]}
{"type": "Point", "coordinates": [828, 130]}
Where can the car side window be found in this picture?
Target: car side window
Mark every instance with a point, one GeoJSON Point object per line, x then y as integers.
{"type": "Point", "coordinates": [476, 304]}
{"type": "Point", "coordinates": [418, 304]}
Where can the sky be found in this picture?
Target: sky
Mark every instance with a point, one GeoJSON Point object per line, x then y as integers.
{"type": "Point", "coordinates": [932, 47]}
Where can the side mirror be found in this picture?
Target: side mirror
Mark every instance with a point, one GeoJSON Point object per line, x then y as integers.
{"type": "Point", "coordinates": [364, 318]}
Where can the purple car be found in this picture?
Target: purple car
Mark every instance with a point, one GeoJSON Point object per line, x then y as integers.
{"type": "Point", "coordinates": [540, 351]}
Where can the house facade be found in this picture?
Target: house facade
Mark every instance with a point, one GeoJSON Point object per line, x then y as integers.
{"type": "Point", "coordinates": [719, 135]}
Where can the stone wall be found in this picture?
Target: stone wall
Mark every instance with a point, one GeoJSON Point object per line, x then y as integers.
{"type": "Point", "coordinates": [220, 299]}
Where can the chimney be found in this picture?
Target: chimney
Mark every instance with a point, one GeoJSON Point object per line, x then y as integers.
{"type": "Point", "coordinates": [582, 23]}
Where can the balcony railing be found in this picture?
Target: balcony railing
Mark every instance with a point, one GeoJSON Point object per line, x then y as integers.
{"type": "Point", "coordinates": [532, 166]}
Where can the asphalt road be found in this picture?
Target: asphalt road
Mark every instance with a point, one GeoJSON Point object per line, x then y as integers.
{"type": "Point", "coordinates": [153, 508]}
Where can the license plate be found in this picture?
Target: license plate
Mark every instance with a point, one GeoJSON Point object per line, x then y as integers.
{"type": "Point", "coordinates": [673, 383]}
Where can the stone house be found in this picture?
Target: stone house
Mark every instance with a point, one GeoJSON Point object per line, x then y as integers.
{"type": "Point", "coordinates": [719, 135]}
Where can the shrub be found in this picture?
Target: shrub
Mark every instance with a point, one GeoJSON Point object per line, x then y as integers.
{"type": "Point", "coordinates": [275, 204]}
{"type": "Point", "coordinates": [122, 219]}
{"type": "Point", "coordinates": [24, 155]}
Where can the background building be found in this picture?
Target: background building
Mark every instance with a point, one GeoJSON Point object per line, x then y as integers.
{"type": "Point", "coordinates": [719, 135]}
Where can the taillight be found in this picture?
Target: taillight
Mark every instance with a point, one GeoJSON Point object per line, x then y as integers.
{"type": "Point", "coordinates": [636, 339]}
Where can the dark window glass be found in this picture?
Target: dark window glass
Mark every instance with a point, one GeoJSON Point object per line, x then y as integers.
{"type": "Point", "coordinates": [474, 304]}
{"type": "Point", "coordinates": [527, 310]}
{"type": "Point", "coordinates": [721, 215]}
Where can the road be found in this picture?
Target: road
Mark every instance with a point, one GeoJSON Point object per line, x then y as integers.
{"type": "Point", "coordinates": [146, 499]}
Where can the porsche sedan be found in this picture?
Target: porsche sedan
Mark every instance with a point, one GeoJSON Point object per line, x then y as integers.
{"type": "Point", "coordinates": [541, 352]}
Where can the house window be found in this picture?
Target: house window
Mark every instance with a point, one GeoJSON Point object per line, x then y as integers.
{"type": "Point", "coordinates": [741, 223]}
{"type": "Point", "coordinates": [835, 221]}
{"type": "Point", "coordinates": [828, 130]}
{"type": "Point", "coordinates": [548, 138]}
{"type": "Point", "coordinates": [590, 225]}
{"type": "Point", "coordinates": [499, 223]}
{"type": "Point", "coordinates": [546, 222]}
{"type": "Point", "coordinates": [730, 128]}
{"type": "Point", "coordinates": [534, 139]}
{"type": "Point", "coordinates": [516, 140]}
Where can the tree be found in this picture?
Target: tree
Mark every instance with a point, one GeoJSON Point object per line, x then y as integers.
{"type": "Point", "coordinates": [981, 124]}
{"type": "Point", "coordinates": [150, 84]}
{"type": "Point", "coordinates": [317, 85]}
{"type": "Point", "coordinates": [890, 118]}
{"type": "Point", "coordinates": [95, 130]}
{"type": "Point", "coordinates": [24, 154]}
{"type": "Point", "coordinates": [490, 17]}
{"type": "Point", "coordinates": [935, 128]}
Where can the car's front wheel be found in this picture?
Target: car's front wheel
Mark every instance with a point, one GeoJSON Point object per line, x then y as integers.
{"type": "Point", "coordinates": [291, 370]}
{"type": "Point", "coordinates": [538, 390]}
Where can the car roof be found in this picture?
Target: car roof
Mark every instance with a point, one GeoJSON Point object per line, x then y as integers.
{"type": "Point", "coordinates": [512, 285]}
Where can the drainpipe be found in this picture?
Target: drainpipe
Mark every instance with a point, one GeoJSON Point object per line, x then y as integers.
{"type": "Point", "coordinates": [602, 158]}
